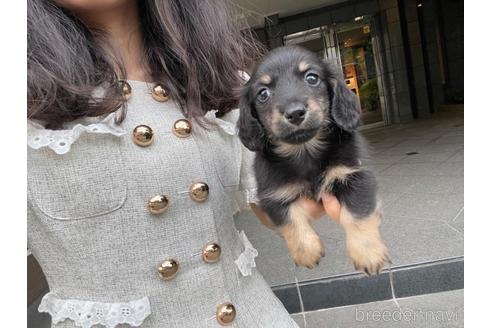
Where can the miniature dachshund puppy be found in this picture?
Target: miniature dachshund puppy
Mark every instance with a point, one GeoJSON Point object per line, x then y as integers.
{"type": "Point", "coordinates": [301, 120]}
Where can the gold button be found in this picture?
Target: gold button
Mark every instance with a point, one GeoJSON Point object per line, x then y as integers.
{"type": "Point", "coordinates": [182, 128]}
{"type": "Point", "coordinates": [199, 191]}
{"type": "Point", "coordinates": [159, 93]}
{"type": "Point", "coordinates": [211, 253]}
{"type": "Point", "coordinates": [143, 135]}
{"type": "Point", "coordinates": [126, 89]}
{"type": "Point", "coordinates": [158, 204]}
{"type": "Point", "coordinates": [226, 313]}
{"type": "Point", "coordinates": [168, 269]}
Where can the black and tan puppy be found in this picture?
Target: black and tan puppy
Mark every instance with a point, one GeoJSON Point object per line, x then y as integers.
{"type": "Point", "coordinates": [301, 120]}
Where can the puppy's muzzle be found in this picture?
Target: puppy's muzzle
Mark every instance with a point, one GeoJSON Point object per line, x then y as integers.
{"type": "Point", "coordinates": [295, 114]}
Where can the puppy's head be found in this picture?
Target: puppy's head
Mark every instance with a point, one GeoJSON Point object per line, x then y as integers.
{"type": "Point", "coordinates": [291, 97]}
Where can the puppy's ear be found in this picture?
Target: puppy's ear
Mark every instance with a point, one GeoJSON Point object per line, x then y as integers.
{"type": "Point", "coordinates": [344, 104]}
{"type": "Point", "coordinates": [251, 131]}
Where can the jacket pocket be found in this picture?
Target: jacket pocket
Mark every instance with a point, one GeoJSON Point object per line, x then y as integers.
{"type": "Point", "coordinates": [86, 182]}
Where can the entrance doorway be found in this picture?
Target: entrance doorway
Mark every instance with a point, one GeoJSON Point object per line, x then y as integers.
{"type": "Point", "coordinates": [351, 47]}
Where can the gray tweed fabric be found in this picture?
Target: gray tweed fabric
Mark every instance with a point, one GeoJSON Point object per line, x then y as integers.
{"type": "Point", "coordinates": [90, 230]}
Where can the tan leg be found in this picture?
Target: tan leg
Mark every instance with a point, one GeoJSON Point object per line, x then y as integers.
{"type": "Point", "coordinates": [365, 247]}
{"type": "Point", "coordinates": [305, 246]}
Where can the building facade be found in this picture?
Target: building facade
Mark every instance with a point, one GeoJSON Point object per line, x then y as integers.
{"type": "Point", "coordinates": [403, 58]}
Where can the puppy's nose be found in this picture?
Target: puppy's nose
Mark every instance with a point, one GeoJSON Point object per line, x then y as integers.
{"type": "Point", "coordinates": [295, 115]}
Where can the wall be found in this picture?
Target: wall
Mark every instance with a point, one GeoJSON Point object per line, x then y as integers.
{"type": "Point", "coordinates": [396, 76]}
{"type": "Point", "coordinates": [451, 16]}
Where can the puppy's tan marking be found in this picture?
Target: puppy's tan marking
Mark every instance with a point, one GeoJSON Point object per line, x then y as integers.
{"type": "Point", "coordinates": [285, 193]}
{"type": "Point", "coordinates": [335, 173]}
{"type": "Point", "coordinates": [365, 247]}
{"type": "Point", "coordinates": [339, 172]}
{"type": "Point", "coordinates": [276, 118]}
{"type": "Point", "coordinates": [303, 66]}
{"type": "Point", "coordinates": [305, 246]}
{"type": "Point", "coordinates": [314, 106]}
{"type": "Point", "coordinates": [313, 147]}
{"type": "Point", "coordinates": [265, 79]}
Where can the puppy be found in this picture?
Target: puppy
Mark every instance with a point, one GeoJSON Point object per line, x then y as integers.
{"type": "Point", "coordinates": [301, 120]}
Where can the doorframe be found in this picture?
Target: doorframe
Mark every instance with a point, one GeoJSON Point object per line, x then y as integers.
{"type": "Point", "coordinates": [380, 69]}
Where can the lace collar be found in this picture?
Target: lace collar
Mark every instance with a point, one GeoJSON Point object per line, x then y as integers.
{"type": "Point", "coordinates": [227, 123]}
{"type": "Point", "coordinates": [60, 141]}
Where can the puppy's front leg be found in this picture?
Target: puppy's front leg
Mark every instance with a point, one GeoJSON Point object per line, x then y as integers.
{"type": "Point", "coordinates": [360, 216]}
{"type": "Point", "coordinates": [293, 224]}
{"type": "Point", "coordinates": [365, 246]}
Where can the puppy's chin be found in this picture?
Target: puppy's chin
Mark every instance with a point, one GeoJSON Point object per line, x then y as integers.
{"type": "Point", "coordinates": [299, 136]}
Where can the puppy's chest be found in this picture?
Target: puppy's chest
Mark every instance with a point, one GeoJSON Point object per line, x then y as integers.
{"type": "Point", "coordinates": [307, 184]}
{"type": "Point", "coordinates": [291, 189]}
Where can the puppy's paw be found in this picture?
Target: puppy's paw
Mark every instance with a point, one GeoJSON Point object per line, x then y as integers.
{"type": "Point", "coordinates": [369, 254]}
{"type": "Point", "coordinates": [307, 250]}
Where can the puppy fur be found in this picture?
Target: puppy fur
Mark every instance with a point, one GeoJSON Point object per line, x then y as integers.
{"type": "Point", "coordinates": [301, 120]}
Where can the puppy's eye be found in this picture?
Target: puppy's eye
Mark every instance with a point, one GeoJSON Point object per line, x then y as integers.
{"type": "Point", "coordinates": [263, 95]}
{"type": "Point", "coordinates": [312, 79]}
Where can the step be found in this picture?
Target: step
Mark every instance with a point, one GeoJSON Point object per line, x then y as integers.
{"type": "Point", "coordinates": [435, 310]}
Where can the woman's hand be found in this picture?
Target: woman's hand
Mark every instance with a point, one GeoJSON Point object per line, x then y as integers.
{"type": "Point", "coordinates": [329, 205]}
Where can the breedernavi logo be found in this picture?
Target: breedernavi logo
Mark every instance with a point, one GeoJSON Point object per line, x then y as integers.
{"type": "Point", "coordinates": [405, 315]}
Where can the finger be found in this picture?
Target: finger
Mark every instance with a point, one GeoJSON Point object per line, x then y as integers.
{"type": "Point", "coordinates": [332, 206]}
{"type": "Point", "coordinates": [313, 208]}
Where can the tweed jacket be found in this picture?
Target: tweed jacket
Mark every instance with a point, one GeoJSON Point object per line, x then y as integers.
{"type": "Point", "coordinates": [103, 250]}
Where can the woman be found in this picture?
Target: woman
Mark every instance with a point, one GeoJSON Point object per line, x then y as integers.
{"type": "Point", "coordinates": [134, 167]}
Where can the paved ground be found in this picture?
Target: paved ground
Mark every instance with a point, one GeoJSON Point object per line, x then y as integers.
{"type": "Point", "coordinates": [429, 311]}
{"type": "Point", "coordinates": [423, 202]}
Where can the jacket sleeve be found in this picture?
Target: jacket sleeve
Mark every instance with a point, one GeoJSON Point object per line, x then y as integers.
{"type": "Point", "coordinates": [247, 192]}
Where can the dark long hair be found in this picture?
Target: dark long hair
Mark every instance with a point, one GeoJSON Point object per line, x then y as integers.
{"type": "Point", "coordinates": [194, 47]}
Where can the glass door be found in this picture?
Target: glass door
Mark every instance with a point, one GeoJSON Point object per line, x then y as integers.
{"type": "Point", "coordinates": [350, 46]}
{"type": "Point", "coordinates": [356, 51]}
{"type": "Point", "coordinates": [314, 40]}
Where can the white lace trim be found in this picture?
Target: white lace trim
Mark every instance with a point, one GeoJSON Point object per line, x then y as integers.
{"type": "Point", "coordinates": [243, 198]}
{"type": "Point", "coordinates": [252, 196]}
{"type": "Point", "coordinates": [86, 314]}
{"type": "Point", "coordinates": [246, 260]}
{"type": "Point", "coordinates": [227, 126]}
{"type": "Point", "coordinates": [60, 141]}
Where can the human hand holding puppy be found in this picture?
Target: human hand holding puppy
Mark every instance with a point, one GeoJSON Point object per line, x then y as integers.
{"type": "Point", "coordinates": [301, 121]}
{"type": "Point", "coordinates": [329, 205]}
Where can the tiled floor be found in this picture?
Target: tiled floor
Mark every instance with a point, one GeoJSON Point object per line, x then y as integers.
{"type": "Point", "coordinates": [429, 311]}
{"type": "Point", "coordinates": [422, 195]}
